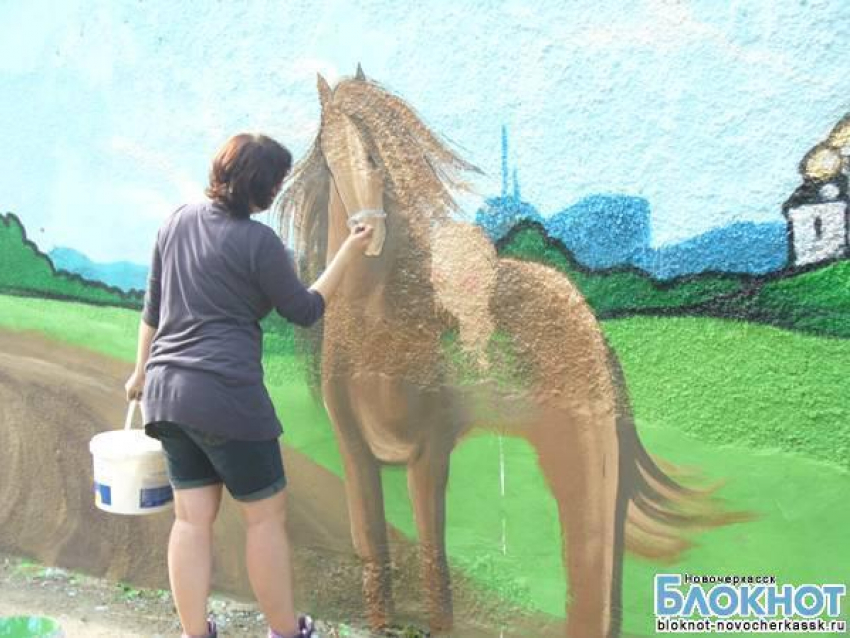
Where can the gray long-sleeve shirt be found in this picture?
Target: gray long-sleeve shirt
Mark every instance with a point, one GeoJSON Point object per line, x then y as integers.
{"type": "Point", "coordinates": [213, 277]}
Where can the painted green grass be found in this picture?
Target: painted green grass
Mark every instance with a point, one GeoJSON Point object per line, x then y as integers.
{"type": "Point", "coordinates": [112, 331]}
{"type": "Point", "coordinates": [799, 536]}
{"type": "Point", "coordinates": [733, 382]}
{"type": "Point", "coordinates": [816, 301]}
{"type": "Point", "coordinates": [755, 405]}
{"type": "Point", "coordinates": [108, 331]}
{"type": "Point", "coordinates": [826, 288]}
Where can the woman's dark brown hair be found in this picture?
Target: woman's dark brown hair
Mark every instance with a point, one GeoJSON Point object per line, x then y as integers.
{"type": "Point", "coordinates": [247, 172]}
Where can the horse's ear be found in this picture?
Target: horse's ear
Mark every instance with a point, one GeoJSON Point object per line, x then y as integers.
{"type": "Point", "coordinates": [359, 75]}
{"type": "Point", "coordinates": [325, 94]}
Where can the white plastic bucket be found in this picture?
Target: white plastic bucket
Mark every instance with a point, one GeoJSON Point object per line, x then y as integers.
{"type": "Point", "coordinates": [130, 476]}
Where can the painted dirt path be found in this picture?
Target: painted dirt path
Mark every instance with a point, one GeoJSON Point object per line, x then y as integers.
{"type": "Point", "coordinates": [54, 398]}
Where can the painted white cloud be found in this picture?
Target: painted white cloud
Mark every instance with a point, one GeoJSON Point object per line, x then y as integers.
{"type": "Point", "coordinates": [667, 26]}
{"type": "Point", "coordinates": [308, 67]}
{"type": "Point", "coordinates": [160, 163]}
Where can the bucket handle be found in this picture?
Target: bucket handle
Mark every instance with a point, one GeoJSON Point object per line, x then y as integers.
{"type": "Point", "coordinates": [131, 410]}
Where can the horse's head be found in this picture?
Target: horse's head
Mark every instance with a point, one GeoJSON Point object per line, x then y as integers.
{"type": "Point", "coordinates": [374, 160]}
{"type": "Point", "coordinates": [356, 183]}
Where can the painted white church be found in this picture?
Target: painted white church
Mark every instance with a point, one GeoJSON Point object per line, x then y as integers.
{"type": "Point", "coordinates": [818, 213]}
{"type": "Point", "coordinates": [819, 229]}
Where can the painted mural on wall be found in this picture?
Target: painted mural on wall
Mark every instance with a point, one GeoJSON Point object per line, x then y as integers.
{"type": "Point", "coordinates": [591, 344]}
{"type": "Point", "coordinates": [530, 360]}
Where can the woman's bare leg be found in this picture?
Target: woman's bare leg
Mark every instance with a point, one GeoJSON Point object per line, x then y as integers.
{"type": "Point", "coordinates": [268, 560]}
{"type": "Point", "coordinates": [190, 554]}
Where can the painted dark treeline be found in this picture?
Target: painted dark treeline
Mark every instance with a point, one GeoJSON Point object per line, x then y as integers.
{"type": "Point", "coordinates": [26, 271]}
{"type": "Point", "coordinates": [806, 299]}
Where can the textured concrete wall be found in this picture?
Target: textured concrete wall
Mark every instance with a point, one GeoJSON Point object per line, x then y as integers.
{"type": "Point", "coordinates": [643, 159]}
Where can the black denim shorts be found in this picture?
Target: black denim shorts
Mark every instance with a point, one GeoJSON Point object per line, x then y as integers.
{"type": "Point", "coordinates": [250, 470]}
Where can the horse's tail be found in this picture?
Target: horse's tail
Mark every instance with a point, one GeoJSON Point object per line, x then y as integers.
{"type": "Point", "coordinates": [660, 510]}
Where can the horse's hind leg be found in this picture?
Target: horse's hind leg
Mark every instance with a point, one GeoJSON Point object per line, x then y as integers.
{"type": "Point", "coordinates": [365, 498]}
{"type": "Point", "coordinates": [579, 456]}
{"type": "Point", "coordinates": [427, 480]}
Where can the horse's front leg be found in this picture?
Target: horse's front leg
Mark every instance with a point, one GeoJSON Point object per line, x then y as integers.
{"type": "Point", "coordinates": [365, 509]}
{"type": "Point", "coordinates": [427, 480]}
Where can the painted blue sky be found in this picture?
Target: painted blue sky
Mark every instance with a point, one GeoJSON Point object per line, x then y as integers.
{"type": "Point", "coordinates": [111, 111]}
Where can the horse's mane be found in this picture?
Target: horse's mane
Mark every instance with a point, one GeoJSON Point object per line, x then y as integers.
{"type": "Point", "coordinates": [420, 174]}
{"type": "Point", "coordinates": [420, 171]}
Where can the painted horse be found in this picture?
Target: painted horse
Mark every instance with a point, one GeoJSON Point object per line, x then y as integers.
{"type": "Point", "coordinates": [434, 334]}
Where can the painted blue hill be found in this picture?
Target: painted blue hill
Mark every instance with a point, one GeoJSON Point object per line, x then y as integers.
{"type": "Point", "coordinates": [603, 231]}
{"type": "Point", "coordinates": [122, 274]}
{"type": "Point", "coordinates": [500, 214]}
{"type": "Point", "coordinates": [611, 231]}
{"type": "Point", "coordinates": [743, 247]}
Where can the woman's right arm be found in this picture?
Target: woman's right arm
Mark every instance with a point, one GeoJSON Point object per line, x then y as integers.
{"type": "Point", "coordinates": [301, 305]}
{"type": "Point", "coordinates": [353, 247]}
